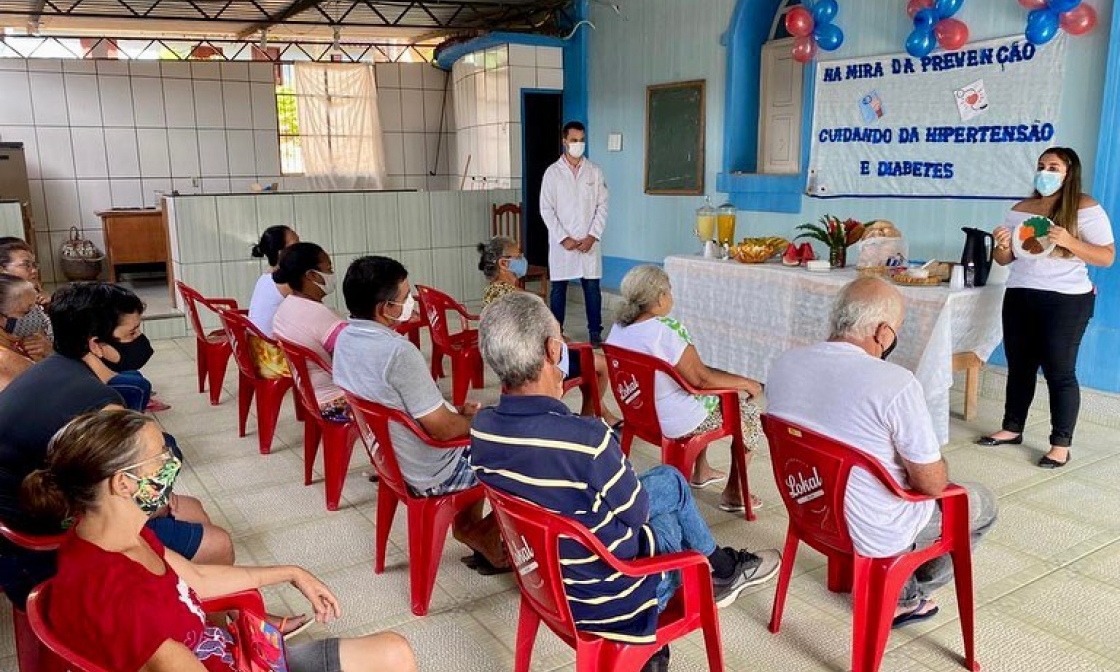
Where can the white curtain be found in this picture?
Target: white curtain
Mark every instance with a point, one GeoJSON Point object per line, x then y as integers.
{"type": "Point", "coordinates": [339, 127]}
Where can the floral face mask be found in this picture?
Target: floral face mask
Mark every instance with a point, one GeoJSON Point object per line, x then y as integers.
{"type": "Point", "coordinates": [154, 492]}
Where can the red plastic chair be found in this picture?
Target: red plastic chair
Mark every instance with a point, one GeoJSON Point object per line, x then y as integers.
{"type": "Point", "coordinates": [268, 391]}
{"type": "Point", "coordinates": [30, 653]}
{"type": "Point", "coordinates": [428, 517]}
{"type": "Point", "coordinates": [61, 657]}
{"type": "Point", "coordinates": [633, 375]}
{"type": "Point", "coordinates": [532, 535]}
{"type": "Point", "coordinates": [412, 328]}
{"type": "Point", "coordinates": [815, 471]}
{"type": "Point", "coordinates": [587, 381]}
{"type": "Point", "coordinates": [337, 437]}
{"type": "Point", "coordinates": [212, 348]}
{"type": "Point", "coordinates": [461, 347]}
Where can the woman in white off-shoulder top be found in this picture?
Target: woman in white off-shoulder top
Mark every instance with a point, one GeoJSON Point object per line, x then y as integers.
{"type": "Point", "coordinates": [1049, 301]}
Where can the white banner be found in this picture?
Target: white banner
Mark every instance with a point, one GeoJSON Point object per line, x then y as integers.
{"type": "Point", "coordinates": [969, 123]}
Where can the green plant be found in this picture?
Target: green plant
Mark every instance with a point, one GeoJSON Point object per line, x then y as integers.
{"type": "Point", "coordinates": [833, 232]}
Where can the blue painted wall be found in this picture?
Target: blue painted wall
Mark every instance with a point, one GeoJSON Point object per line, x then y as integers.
{"type": "Point", "coordinates": [658, 41]}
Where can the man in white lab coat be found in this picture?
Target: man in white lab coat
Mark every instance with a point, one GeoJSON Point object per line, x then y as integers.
{"type": "Point", "coordinates": [574, 208]}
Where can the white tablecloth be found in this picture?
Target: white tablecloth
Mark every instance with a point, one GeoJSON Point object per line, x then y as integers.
{"type": "Point", "coordinates": [742, 316]}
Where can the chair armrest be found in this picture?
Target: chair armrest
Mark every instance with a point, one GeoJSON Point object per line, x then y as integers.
{"type": "Point", "coordinates": [32, 542]}
{"type": "Point", "coordinates": [246, 600]}
{"type": "Point", "coordinates": [659, 563]}
{"type": "Point", "coordinates": [951, 490]}
{"type": "Point", "coordinates": [227, 304]}
{"type": "Point", "coordinates": [452, 444]}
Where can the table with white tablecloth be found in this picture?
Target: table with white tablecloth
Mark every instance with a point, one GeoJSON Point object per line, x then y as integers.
{"type": "Point", "coordinates": [742, 316]}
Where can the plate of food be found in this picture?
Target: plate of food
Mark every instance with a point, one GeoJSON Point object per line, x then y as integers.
{"type": "Point", "coordinates": [1031, 239]}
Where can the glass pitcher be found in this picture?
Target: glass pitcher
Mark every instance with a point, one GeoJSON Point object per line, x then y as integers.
{"type": "Point", "coordinates": [725, 222]}
{"type": "Point", "coordinates": [706, 221]}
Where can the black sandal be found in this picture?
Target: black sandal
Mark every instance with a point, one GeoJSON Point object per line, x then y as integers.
{"type": "Point", "coordinates": [485, 568]}
{"type": "Point", "coordinates": [1049, 463]}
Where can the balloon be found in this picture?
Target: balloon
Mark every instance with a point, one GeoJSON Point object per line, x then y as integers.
{"type": "Point", "coordinates": [952, 34]}
{"type": "Point", "coordinates": [825, 11]}
{"type": "Point", "coordinates": [829, 36]}
{"type": "Point", "coordinates": [1079, 20]}
{"type": "Point", "coordinates": [925, 19]}
{"type": "Point", "coordinates": [1042, 26]}
{"type": "Point", "coordinates": [1063, 6]}
{"type": "Point", "coordinates": [799, 22]}
{"type": "Point", "coordinates": [1033, 4]}
{"type": "Point", "coordinates": [914, 6]}
{"type": "Point", "coordinates": [920, 43]}
{"type": "Point", "coordinates": [804, 49]}
{"type": "Point", "coordinates": [947, 8]}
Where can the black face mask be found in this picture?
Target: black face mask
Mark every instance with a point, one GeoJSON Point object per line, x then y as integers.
{"type": "Point", "coordinates": [887, 351]}
{"type": "Point", "coordinates": [10, 324]}
{"type": "Point", "coordinates": [134, 354]}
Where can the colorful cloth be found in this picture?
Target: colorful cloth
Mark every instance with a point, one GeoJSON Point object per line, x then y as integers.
{"type": "Point", "coordinates": [497, 290]}
{"type": "Point", "coordinates": [268, 360]}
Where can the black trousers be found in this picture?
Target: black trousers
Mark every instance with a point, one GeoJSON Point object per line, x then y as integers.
{"type": "Point", "coordinates": [1043, 329]}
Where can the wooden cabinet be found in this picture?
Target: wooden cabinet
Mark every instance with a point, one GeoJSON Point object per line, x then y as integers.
{"type": "Point", "coordinates": [135, 237]}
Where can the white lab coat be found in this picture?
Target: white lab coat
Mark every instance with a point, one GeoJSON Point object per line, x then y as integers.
{"type": "Point", "coordinates": [574, 206]}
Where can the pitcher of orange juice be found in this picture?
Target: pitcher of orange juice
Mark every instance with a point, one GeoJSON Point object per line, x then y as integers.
{"type": "Point", "coordinates": [706, 221]}
{"type": "Point", "coordinates": [725, 222]}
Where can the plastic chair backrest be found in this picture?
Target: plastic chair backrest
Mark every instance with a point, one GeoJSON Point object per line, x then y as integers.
{"type": "Point", "coordinates": [238, 329]}
{"type": "Point", "coordinates": [506, 221]}
{"type": "Point", "coordinates": [298, 357]}
{"type": "Point", "coordinates": [192, 297]}
{"type": "Point", "coordinates": [435, 305]}
{"type": "Point", "coordinates": [41, 543]}
{"type": "Point", "coordinates": [812, 472]}
{"type": "Point", "coordinates": [633, 378]}
{"type": "Point", "coordinates": [37, 604]}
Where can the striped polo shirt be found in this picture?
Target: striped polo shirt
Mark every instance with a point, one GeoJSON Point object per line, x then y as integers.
{"type": "Point", "coordinates": [534, 448]}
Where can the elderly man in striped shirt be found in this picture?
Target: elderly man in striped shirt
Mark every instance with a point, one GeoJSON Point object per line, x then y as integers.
{"type": "Point", "coordinates": [530, 445]}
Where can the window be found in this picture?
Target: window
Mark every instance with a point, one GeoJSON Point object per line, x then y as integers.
{"type": "Point", "coordinates": [291, 159]}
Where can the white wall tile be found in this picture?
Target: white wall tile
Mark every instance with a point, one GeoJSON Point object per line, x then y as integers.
{"type": "Point", "coordinates": [176, 69]}
{"type": "Point", "coordinates": [126, 193]}
{"type": "Point", "coordinates": [261, 72]}
{"type": "Point", "coordinates": [93, 197]}
{"type": "Point", "coordinates": [419, 266]}
{"type": "Point", "coordinates": [474, 282]}
{"type": "Point", "coordinates": [240, 277]}
{"type": "Point", "coordinates": [83, 100]}
{"type": "Point", "coordinates": [116, 100]}
{"type": "Point", "coordinates": [273, 209]}
{"type": "Point", "coordinates": [216, 185]}
{"type": "Point", "coordinates": [238, 108]}
{"type": "Point", "coordinates": [197, 229]}
{"type": "Point", "coordinates": [522, 54]}
{"type": "Point", "coordinates": [206, 70]}
{"type": "Point", "coordinates": [412, 109]}
{"type": "Point", "coordinates": [267, 149]}
{"type": "Point", "coordinates": [62, 204]}
{"type": "Point", "coordinates": [38, 205]}
{"type": "Point", "coordinates": [147, 101]}
{"type": "Point", "coordinates": [435, 153]}
{"type": "Point", "coordinates": [78, 66]}
{"type": "Point", "coordinates": [237, 226]}
{"type": "Point", "coordinates": [13, 64]}
{"type": "Point", "coordinates": [415, 154]}
{"type": "Point", "coordinates": [348, 223]}
{"type": "Point", "coordinates": [550, 57]}
{"type": "Point", "coordinates": [15, 104]}
{"type": "Point", "coordinates": [433, 77]}
{"type": "Point", "coordinates": [44, 64]}
{"type": "Point", "coordinates": [178, 100]}
{"type": "Point", "coordinates": [414, 215]}
{"type": "Point", "coordinates": [89, 152]}
{"type": "Point", "coordinates": [521, 78]}
{"type": "Point", "coordinates": [48, 99]}
{"type": "Point", "coordinates": [263, 100]}
{"type": "Point", "coordinates": [241, 153]}
{"type": "Point", "coordinates": [389, 109]}
{"type": "Point", "coordinates": [475, 216]}
{"type": "Point", "coordinates": [56, 154]}
{"type": "Point", "coordinates": [433, 108]}
{"type": "Point", "coordinates": [183, 149]}
{"type": "Point", "coordinates": [550, 78]}
{"type": "Point", "coordinates": [123, 152]}
{"type": "Point", "coordinates": [44, 250]}
{"type": "Point", "coordinates": [155, 157]}
{"type": "Point", "coordinates": [447, 271]}
{"type": "Point", "coordinates": [312, 218]}
{"type": "Point", "coordinates": [382, 222]}
{"type": "Point", "coordinates": [412, 75]}
{"type": "Point", "coordinates": [234, 71]}
{"type": "Point", "coordinates": [387, 75]}
{"type": "Point", "coordinates": [445, 217]}
{"type": "Point", "coordinates": [209, 109]}
{"type": "Point", "coordinates": [213, 161]}
{"type": "Point", "coordinates": [418, 182]}
{"type": "Point", "coordinates": [26, 135]}
{"type": "Point", "coordinates": [140, 68]}
{"type": "Point", "coordinates": [150, 186]}
{"type": "Point", "coordinates": [394, 153]}
{"type": "Point", "coordinates": [186, 186]}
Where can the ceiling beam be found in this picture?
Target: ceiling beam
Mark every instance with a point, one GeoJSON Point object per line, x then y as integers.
{"type": "Point", "coordinates": [297, 7]}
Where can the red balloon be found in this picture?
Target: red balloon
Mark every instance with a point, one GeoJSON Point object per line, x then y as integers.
{"type": "Point", "coordinates": [804, 49]}
{"type": "Point", "coordinates": [952, 34]}
{"type": "Point", "coordinates": [1079, 20]}
{"type": "Point", "coordinates": [1033, 4]}
{"type": "Point", "coordinates": [914, 6]}
{"type": "Point", "coordinates": [799, 22]}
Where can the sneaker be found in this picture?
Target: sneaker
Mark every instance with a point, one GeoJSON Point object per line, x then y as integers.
{"type": "Point", "coordinates": [751, 569]}
{"type": "Point", "coordinates": [659, 662]}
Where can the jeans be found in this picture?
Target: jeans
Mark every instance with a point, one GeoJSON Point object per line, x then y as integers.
{"type": "Point", "coordinates": [934, 574]}
{"type": "Point", "coordinates": [592, 296]}
{"type": "Point", "coordinates": [1044, 329]}
{"type": "Point", "coordinates": [134, 388]}
{"type": "Point", "coordinates": [675, 522]}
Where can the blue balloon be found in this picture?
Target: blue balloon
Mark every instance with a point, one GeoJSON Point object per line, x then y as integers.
{"type": "Point", "coordinates": [920, 43]}
{"type": "Point", "coordinates": [825, 11]}
{"type": "Point", "coordinates": [947, 8]}
{"type": "Point", "coordinates": [829, 36]}
{"type": "Point", "coordinates": [926, 19]}
{"type": "Point", "coordinates": [1063, 6]}
{"type": "Point", "coordinates": [1042, 26]}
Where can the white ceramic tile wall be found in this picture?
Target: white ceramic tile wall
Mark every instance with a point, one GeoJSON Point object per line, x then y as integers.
{"type": "Point", "coordinates": [411, 106]}
{"type": "Point", "coordinates": [108, 134]}
{"type": "Point", "coordinates": [488, 87]}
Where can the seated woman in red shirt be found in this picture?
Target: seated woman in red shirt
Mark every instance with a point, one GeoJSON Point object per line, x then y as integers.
{"type": "Point", "coordinates": [127, 603]}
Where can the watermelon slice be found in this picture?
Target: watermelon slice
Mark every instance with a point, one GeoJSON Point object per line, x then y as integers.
{"type": "Point", "coordinates": [791, 257]}
{"type": "Point", "coordinates": [805, 253]}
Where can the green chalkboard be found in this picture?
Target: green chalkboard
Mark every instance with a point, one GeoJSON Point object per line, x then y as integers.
{"type": "Point", "coordinates": [675, 138]}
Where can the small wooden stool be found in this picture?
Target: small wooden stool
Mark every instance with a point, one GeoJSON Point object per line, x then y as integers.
{"type": "Point", "coordinates": [970, 363]}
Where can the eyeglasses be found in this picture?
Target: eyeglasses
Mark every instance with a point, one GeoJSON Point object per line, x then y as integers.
{"type": "Point", "coordinates": [26, 265]}
{"type": "Point", "coordinates": [166, 456]}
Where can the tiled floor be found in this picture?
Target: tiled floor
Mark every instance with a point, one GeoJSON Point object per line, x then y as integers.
{"type": "Point", "coordinates": [1047, 578]}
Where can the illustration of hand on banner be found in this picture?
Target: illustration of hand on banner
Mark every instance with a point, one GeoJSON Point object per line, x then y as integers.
{"type": "Point", "coordinates": [812, 25]}
{"type": "Point", "coordinates": [1048, 17]}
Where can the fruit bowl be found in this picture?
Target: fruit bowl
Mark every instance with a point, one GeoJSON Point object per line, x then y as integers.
{"type": "Point", "coordinates": [752, 253]}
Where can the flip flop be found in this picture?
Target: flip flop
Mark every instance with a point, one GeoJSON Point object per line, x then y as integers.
{"type": "Point", "coordinates": [756, 504]}
{"type": "Point", "coordinates": [288, 629]}
{"type": "Point", "coordinates": [703, 484]}
{"type": "Point", "coordinates": [915, 616]}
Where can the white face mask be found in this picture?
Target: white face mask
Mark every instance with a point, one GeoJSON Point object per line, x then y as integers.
{"type": "Point", "coordinates": [576, 149]}
{"type": "Point", "coordinates": [407, 307]}
{"type": "Point", "coordinates": [329, 284]}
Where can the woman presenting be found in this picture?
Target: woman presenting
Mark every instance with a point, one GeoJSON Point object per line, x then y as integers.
{"type": "Point", "coordinates": [1049, 301]}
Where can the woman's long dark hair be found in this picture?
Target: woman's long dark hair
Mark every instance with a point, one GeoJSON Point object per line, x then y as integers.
{"type": "Point", "coordinates": [1064, 210]}
{"type": "Point", "coordinates": [295, 262]}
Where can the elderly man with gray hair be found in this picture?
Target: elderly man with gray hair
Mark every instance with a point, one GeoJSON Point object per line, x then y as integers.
{"type": "Point", "coordinates": [532, 446]}
{"type": "Point", "coordinates": [845, 389]}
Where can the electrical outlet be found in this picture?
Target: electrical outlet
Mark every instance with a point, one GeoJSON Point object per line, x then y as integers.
{"type": "Point", "coordinates": [614, 142]}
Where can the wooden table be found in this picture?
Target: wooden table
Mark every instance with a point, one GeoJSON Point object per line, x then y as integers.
{"type": "Point", "coordinates": [136, 236]}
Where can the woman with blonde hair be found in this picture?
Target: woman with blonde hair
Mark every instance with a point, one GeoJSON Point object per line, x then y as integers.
{"type": "Point", "coordinates": [643, 325]}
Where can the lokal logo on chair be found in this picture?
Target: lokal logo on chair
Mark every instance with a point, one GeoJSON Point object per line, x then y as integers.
{"type": "Point", "coordinates": [522, 556]}
{"type": "Point", "coordinates": [629, 391]}
{"type": "Point", "coordinates": [803, 489]}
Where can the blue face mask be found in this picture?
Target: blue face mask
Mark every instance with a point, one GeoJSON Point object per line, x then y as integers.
{"type": "Point", "coordinates": [563, 363]}
{"type": "Point", "coordinates": [519, 266]}
{"type": "Point", "coordinates": [1047, 182]}
{"type": "Point", "coordinates": [11, 322]}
